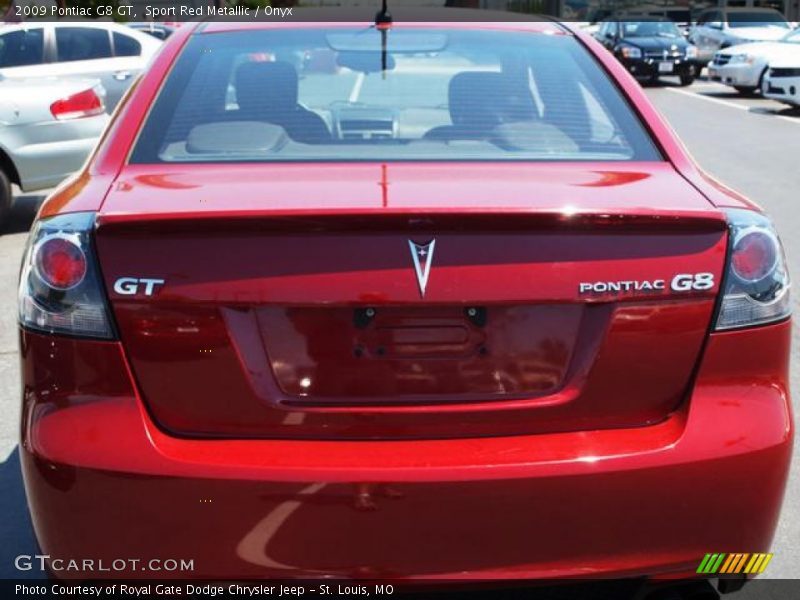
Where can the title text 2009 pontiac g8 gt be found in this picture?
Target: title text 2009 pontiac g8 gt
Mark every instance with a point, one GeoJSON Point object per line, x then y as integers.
{"type": "Point", "coordinates": [456, 305]}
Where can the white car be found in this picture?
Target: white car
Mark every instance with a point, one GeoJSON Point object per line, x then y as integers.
{"type": "Point", "coordinates": [782, 82]}
{"type": "Point", "coordinates": [48, 126]}
{"type": "Point", "coordinates": [112, 53]}
{"type": "Point", "coordinates": [719, 28]}
{"type": "Point", "coordinates": [744, 66]}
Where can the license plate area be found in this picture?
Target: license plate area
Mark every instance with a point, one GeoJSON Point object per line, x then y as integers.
{"type": "Point", "coordinates": [445, 332]}
{"type": "Point", "coordinates": [665, 66]}
{"type": "Point", "coordinates": [402, 354]}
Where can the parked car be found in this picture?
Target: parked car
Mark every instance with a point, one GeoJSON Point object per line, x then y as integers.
{"type": "Point", "coordinates": [719, 28]}
{"type": "Point", "coordinates": [112, 53]}
{"type": "Point", "coordinates": [47, 128]}
{"type": "Point", "coordinates": [782, 81]}
{"type": "Point", "coordinates": [744, 66]}
{"type": "Point", "coordinates": [461, 308]}
{"type": "Point", "coordinates": [650, 47]}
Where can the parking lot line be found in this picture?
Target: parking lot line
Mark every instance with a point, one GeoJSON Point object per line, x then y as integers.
{"type": "Point", "coordinates": [714, 100]}
{"type": "Point", "coordinates": [731, 105]}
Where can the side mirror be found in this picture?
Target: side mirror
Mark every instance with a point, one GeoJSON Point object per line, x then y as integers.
{"type": "Point", "coordinates": [715, 24]}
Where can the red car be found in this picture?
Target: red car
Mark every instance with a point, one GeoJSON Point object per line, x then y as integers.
{"type": "Point", "coordinates": [460, 307]}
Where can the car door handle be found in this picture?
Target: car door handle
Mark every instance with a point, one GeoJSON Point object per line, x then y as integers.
{"type": "Point", "coordinates": [122, 75]}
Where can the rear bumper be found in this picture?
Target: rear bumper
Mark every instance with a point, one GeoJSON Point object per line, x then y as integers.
{"type": "Point", "coordinates": [104, 483]}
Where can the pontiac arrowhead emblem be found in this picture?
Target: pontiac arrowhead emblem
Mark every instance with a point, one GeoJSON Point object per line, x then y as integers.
{"type": "Point", "coordinates": [423, 258]}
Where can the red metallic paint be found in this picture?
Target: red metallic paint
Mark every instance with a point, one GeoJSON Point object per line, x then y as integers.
{"type": "Point", "coordinates": [198, 190]}
{"type": "Point", "coordinates": [582, 235]}
{"type": "Point", "coordinates": [201, 339]}
{"type": "Point", "coordinates": [647, 500]}
{"type": "Point", "coordinates": [592, 347]}
{"type": "Point", "coordinates": [589, 484]}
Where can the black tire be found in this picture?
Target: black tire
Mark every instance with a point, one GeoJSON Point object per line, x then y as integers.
{"type": "Point", "coordinates": [744, 89]}
{"type": "Point", "coordinates": [687, 80]}
{"type": "Point", "coordinates": [5, 198]}
{"type": "Point", "coordinates": [760, 86]}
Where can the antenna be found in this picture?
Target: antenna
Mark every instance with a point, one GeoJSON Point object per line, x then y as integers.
{"type": "Point", "coordinates": [383, 22]}
{"type": "Point", "coordinates": [383, 19]}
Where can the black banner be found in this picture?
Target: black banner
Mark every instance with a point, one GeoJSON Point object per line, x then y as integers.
{"type": "Point", "coordinates": [759, 589]}
{"type": "Point", "coordinates": [588, 11]}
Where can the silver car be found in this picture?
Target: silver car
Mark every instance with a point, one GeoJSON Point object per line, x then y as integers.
{"type": "Point", "coordinates": [721, 27]}
{"type": "Point", "coordinates": [48, 126]}
{"type": "Point", "coordinates": [112, 53]}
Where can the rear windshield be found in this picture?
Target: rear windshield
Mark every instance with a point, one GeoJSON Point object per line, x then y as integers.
{"type": "Point", "coordinates": [422, 94]}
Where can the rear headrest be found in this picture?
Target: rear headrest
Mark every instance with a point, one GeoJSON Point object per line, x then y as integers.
{"type": "Point", "coordinates": [487, 99]}
{"type": "Point", "coordinates": [267, 86]}
{"type": "Point", "coordinates": [235, 137]}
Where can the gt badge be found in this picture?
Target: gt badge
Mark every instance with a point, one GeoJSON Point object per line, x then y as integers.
{"type": "Point", "coordinates": [133, 286]}
{"type": "Point", "coordinates": [422, 254]}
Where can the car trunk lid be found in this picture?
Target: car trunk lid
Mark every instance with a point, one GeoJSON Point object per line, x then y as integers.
{"type": "Point", "coordinates": [294, 304]}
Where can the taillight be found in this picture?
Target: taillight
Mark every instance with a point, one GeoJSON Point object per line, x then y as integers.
{"type": "Point", "coordinates": [754, 255]}
{"type": "Point", "coordinates": [87, 103]}
{"type": "Point", "coordinates": [59, 261]}
{"type": "Point", "coordinates": [60, 289]}
{"type": "Point", "coordinates": [757, 280]}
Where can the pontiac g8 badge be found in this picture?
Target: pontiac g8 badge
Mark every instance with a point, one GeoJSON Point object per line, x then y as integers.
{"type": "Point", "coordinates": [683, 282]}
{"type": "Point", "coordinates": [422, 254]}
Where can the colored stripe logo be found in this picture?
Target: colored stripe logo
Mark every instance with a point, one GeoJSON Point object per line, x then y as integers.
{"type": "Point", "coordinates": [728, 564]}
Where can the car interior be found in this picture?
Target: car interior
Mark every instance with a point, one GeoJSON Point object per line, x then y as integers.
{"type": "Point", "coordinates": [268, 92]}
{"type": "Point", "coordinates": [483, 107]}
{"type": "Point", "coordinates": [331, 104]}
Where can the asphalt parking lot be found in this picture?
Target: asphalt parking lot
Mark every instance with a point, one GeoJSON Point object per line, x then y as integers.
{"type": "Point", "coordinates": [749, 143]}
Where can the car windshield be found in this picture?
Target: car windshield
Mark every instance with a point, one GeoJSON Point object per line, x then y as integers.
{"type": "Point", "coordinates": [740, 20]}
{"type": "Point", "coordinates": [332, 94]}
{"type": "Point", "coordinates": [634, 29]}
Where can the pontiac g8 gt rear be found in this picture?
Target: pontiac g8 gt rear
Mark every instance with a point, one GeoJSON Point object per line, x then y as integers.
{"type": "Point", "coordinates": [454, 306]}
